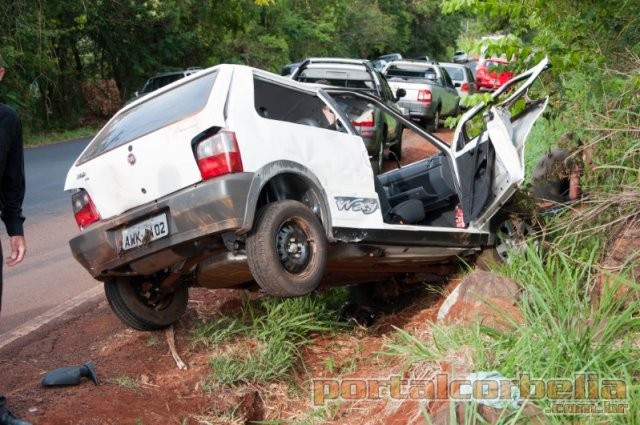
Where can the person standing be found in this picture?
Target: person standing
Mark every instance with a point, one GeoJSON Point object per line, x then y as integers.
{"type": "Point", "coordinates": [12, 186]}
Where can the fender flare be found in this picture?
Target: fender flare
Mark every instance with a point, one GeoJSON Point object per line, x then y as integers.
{"type": "Point", "coordinates": [266, 173]}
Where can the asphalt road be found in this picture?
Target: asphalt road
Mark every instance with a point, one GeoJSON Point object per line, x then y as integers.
{"type": "Point", "coordinates": [49, 276]}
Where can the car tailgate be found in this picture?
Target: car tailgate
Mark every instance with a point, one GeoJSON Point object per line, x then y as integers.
{"type": "Point", "coordinates": [412, 89]}
{"type": "Point", "coordinates": [139, 172]}
{"type": "Point", "coordinates": [150, 166]}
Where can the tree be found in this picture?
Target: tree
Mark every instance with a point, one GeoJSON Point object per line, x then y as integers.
{"type": "Point", "coordinates": [573, 33]}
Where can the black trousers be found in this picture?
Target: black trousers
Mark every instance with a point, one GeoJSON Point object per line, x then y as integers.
{"type": "Point", "coordinates": [3, 400]}
{"type": "Point", "coordinates": [1, 259]}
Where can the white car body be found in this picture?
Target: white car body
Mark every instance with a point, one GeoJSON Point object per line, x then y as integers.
{"type": "Point", "coordinates": [154, 220]}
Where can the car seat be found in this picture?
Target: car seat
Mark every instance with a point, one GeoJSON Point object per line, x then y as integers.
{"type": "Point", "coordinates": [410, 211]}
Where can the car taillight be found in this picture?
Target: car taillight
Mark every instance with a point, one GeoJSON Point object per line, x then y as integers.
{"type": "Point", "coordinates": [424, 96]}
{"type": "Point", "coordinates": [464, 87]}
{"type": "Point", "coordinates": [218, 155]}
{"type": "Point", "coordinates": [366, 121]}
{"type": "Point", "coordinates": [365, 125]}
{"type": "Point", "coordinates": [84, 210]}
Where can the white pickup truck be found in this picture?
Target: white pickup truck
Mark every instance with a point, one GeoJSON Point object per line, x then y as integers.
{"type": "Point", "coordinates": [430, 93]}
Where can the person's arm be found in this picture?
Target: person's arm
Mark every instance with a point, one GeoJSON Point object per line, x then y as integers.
{"type": "Point", "coordinates": [12, 183]}
{"type": "Point", "coordinates": [18, 249]}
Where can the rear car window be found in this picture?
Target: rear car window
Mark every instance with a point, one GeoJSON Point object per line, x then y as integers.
{"type": "Point", "coordinates": [276, 102]}
{"type": "Point", "coordinates": [151, 115]}
{"type": "Point", "coordinates": [411, 71]}
{"type": "Point", "coordinates": [352, 78]}
{"type": "Point", "coordinates": [455, 73]}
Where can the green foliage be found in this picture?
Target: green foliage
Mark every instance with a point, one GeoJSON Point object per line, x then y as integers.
{"type": "Point", "coordinates": [40, 138]}
{"type": "Point", "coordinates": [124, 381]}
{"type": "Point", "coordinates": [563, 332]}
{"type": "Point", "coordinates": [266, 337]}
{"type": "Point", "coordinates": [574, 34]}
{"type": "Point", "coordinates": [54, 47]}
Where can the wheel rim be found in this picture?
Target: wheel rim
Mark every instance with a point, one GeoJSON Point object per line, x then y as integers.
{"type": "Point", "coordinates": [294, 247]}
{"type": "Point", "coordinates": [511, 236]}
{"type": "Point", "coordinates": [155, 300]}
{"type": "Point", "coordinates": [436, 120]}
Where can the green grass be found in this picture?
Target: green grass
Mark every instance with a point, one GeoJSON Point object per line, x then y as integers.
{"type": "Point", "coordinates": [127, 382]}
{"type": "Point", "coordinates": [566, 332]}
{"type": "Point", "coordinates": [262, 344]}
{"type": "Point", "coordinates": [50, 137]}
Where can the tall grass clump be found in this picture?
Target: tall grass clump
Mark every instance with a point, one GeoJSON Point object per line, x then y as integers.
{"type": "Point", "coordinates": [567, 330]}
{"type": "Point", "coordinates": [262, 343]}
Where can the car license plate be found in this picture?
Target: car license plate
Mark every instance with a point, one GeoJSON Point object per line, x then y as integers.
{"type": "Point", "coordinates": [144, 232]}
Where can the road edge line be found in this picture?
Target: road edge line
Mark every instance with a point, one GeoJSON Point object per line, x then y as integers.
{"type": "Point", "coordinates": [39, 321]}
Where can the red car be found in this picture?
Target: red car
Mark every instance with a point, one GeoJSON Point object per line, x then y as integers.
{"type": "Point", "coordinates": [492, 74]}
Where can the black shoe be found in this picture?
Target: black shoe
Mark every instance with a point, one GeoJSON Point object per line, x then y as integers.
{"type": "Point", "coordinates": [8, 419]}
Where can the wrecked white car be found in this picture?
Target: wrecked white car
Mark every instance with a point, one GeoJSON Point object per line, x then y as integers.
{"type": "Point", "coordinates": [235, 176]}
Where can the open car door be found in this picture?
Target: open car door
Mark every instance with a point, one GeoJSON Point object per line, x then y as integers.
{"type": "Point", "coordinates": [491, 165]}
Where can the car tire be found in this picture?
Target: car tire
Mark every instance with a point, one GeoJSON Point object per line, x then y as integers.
{"type": "Point", "coordinates": [142, 309]}
{"type": "Point", "coordinates": [435, 122]}
{"type": "Point", "coordinates": [375, 166]}
{"type": "Point", "coordinates": [377, 161]}
{"type": "Point", "coordinates": [287, 249]}
{"type": "Point", "coordinates": [397, 147]}
{"type": "Point", "coordinates": [511, 234]}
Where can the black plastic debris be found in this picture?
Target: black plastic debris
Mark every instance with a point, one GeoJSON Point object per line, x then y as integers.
{"type": "Point", "coordinates": [71, 375]}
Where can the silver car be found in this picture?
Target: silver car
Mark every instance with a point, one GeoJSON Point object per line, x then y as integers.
{"type": "Point", "coordinates": [462, 78]}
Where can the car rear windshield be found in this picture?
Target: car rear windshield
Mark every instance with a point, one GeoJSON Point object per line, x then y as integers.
{"type": "Point", "coordinates": [411, 71]}
{"type": "Point", "coordinates": [352, 78]}
{"type": "Point", "coordinates": [151, 115]}
{"type": "Point", "coordinates": [455, 73]}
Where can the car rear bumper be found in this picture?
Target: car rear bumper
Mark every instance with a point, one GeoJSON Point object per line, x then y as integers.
{"type": "Point", "coordinates": [207, 208]}
{"type": "Point", "coordinates": [418, 110]}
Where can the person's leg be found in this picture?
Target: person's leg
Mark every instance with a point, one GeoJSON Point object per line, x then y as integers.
{"type": "Point", "coordinates": [1, 258]}
{"type": "Point", "coordinates": [6, 418]}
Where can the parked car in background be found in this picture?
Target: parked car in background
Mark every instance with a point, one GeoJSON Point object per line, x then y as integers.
{"type": "Point", "coordinates": [462, 78]}
{"type": "Point", "coordinates": [219, 181]}
{"type": "Point", "coordinates": [460, 57]}
{"type": "Point", "coordinates": [378, 64]}
{"type": "Point", "coordinates": [289, 69]}
{"type": "Point", "coordinates": [161, 80]}
{"type": "Point", "coordinates": [423, 58]}
{"type": "Point", "coordinates": [492, 73]}
{"type": "Point", "coordinates": [391, 57]}
{"type": "Point", "coordinates": [429, 91]}
{"type": "Point", "coordinates": [359, 75]}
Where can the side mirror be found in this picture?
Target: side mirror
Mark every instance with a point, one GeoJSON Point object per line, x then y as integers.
{"type": "Point", "coordinates": [400, 93]}
{"type": "Point", "coordinates": [71, 375]}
